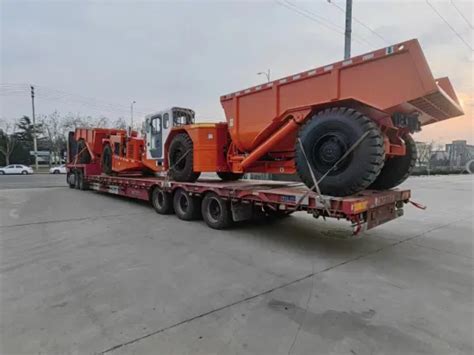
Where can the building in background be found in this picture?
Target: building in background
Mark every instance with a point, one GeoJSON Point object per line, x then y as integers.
{"type": "Point", "coordinates": [459, 153]}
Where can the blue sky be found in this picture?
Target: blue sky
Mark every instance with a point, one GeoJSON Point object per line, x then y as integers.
{"type": "Point", "coordinates": [188, 53]}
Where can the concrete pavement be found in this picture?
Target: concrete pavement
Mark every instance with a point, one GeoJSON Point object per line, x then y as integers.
{"type": "Point", "coordinates": [83, 273]}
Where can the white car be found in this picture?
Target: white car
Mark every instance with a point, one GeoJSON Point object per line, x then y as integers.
{"type": "Point", "coordinates": [16, 169]}
{"type": "Point", "coordinates": [61, 169]}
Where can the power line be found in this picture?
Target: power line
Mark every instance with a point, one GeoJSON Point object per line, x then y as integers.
{"type": "Point", "coordinates": [312, 16]}
{"type": "Point", "coordinates": [462, 15]}
{"type": "Point", "coordinates": [360, 22]}
{"type": "Point", "coordinates": [449, 25]}
{"type": "Point", "coordinates": [45, 93]}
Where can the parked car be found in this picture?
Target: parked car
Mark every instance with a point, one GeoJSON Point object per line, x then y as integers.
{"type": "Point", "coordinates": [16, 169]}
{"type": "Point", "coordinates": [60, 169]}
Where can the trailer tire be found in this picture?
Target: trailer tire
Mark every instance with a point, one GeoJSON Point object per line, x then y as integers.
{"type": "Point", "coordinates": [216, 211]}
{"type": "Point", "coordinates": [181, 169]}
{"type": "Point", "coordinates": [83, 155]}
{"type": "Point", "coordinates": [397, 169]}
{"type": "Point", "coordinates": [186, 207]}
{"type": "Point", "coordinates": [162, 201]}
{"type": "Point", "coordinates": [106, 159]}
{"type": "Point", "coordinates": [77, 177]}
{"type": "Point", "coordinates": [71, 180]}
{"type": "Point", "coordinates": [326, 137]}
{"type": "Point", "coordinates": [228, 176]}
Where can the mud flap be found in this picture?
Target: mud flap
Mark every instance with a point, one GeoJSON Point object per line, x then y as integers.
{"type": "Point", "coordinates": [241, 211]}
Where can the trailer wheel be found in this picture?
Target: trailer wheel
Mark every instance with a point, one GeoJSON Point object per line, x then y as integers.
{"type": "Point", "coordinates": [216, 211]}
{"type": "Point", "coordinates": [83, 155]}
{"type": "Point", "coordinates": [71, 180]}
{"type": "Point", "coordinates": [162, 201]}
{"type": "Point", "coordinates": [181, 159]}
{"type": "Point", "coordinates": [227, 176]}
{"type": "Point", "coordinates": [106, 161]}
{"type": "Point", "coordinates": [397, 169]}
{"type": "Point", "coordinates": [326, 137]}
{"type": "Point", "coordinates": [185, 206]}
{"type": "Point", "coordinates": [77, 178]}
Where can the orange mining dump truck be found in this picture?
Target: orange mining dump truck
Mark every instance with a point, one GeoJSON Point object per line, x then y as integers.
{"type": "Point", "coordinates": [346, 126]}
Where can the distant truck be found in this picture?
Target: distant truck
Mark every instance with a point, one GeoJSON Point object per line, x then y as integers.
{"type": "Point", "coordinates": [345, 127]}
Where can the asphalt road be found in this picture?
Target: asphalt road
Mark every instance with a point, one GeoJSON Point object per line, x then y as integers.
{"type": "Point", "coordinates": [29, 181]}
{"type": "Point", "coordinates": [83, 272]}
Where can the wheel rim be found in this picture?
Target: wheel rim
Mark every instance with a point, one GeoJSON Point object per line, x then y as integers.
{"type": "Point", "coordinates": [327, 150]}
{"type": "Point", "coordinates": [214, 209]}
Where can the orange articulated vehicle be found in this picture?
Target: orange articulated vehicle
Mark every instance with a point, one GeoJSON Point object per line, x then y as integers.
{"type": "Point", "coordinates": [318, 115]}
{"type": "Point", "coordinates": [347, 125]}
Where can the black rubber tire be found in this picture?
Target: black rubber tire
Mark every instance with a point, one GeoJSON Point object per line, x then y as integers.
{"type": "Point", "coordinates": [397, 169]}
{"type": "Point", "coordinates": [83, 185]}
{"type": "Point", "coordinates": [106, 159]}
{"type": "Point", "coordinates": [182, 170]}
{"type": "Point", "coordinates": [326, 137]}
{"type": "Point", "coordinates": [24, 172]}
{"type": "Point", "coordinates": [55, 171]}
{"type": "Point", "coordinates": [186, 207]}
{"type": "Point", "coordinates": [84, 156]}
{"type": "Point", "coordinates": [227, 176]}
{"type": "Point", "coordinates": [162, 201]}
{"type": "Point", "coordinates": [78, 180]}
{"type": "Point", "coordinates": [216, 211]}
{"type": "Point", "coordinates": [71, 180]}
{"type": "Point", "coordinates": [2, 173]}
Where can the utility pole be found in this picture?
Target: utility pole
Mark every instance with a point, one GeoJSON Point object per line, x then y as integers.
{"type": "Point", "coordinates": [35, 145]}
{"type": "Point", "coordinates": [348, 31]}
{"type": "Point", "coordinates": [131, 113]}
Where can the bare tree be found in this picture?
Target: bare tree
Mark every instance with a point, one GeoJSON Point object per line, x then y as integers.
{"type": "Point", "coordinates": [120, 123]}
{"type": "Point", "coordinates": [8, 139]}
{"type": "Point", "coordinates": [55, 130]}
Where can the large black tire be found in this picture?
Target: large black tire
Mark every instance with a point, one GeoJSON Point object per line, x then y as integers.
{"type": "Point", "coordinates": [216, 211]}
{"type": "Point", "coordinates": [71, 179]}
{"type": "Point", "coordinates": [182, 169]}
{"type": "Point", "coordinates": [226, 176]}
{"type": "Point", "coordinates": [78, 179]}
{"type": "Point", "coordinates": [106, 160]}
{"type": "Point", "coordinates": [185, 206]}
{"type": "Point", "coordinates": [397, 169]}
{"type": "Point", "coordinates": [326, 137]}
{"type": "Point", "coordinates": [83, 155]}
{"type": "Point", "coordinates": [162, 201]}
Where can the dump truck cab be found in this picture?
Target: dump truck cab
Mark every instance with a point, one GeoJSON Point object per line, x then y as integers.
{"type": "Point", "coordinates": [158, 126]}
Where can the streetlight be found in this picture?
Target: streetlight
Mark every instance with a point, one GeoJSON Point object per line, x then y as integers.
{"type": "Point", "coordinates": [266, 73]}
{"type": "Point", "coordinates": [131, 113]}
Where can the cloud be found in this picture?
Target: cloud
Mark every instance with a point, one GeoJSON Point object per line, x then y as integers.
{"type": "Point", "coordinates": [188, 53]}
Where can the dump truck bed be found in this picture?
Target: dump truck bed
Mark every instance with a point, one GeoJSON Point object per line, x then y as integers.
{"type": "Point", "coordinates": [392, 79]}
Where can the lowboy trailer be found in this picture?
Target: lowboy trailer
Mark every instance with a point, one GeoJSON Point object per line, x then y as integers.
{"type": "Point", "coordinates": [221, 203]}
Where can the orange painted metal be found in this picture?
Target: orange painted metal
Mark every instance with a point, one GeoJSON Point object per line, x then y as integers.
{"type": "Point", "coordinates": [388, 80]}
{"type": "Point", "coordinates": [127, 148]}
{"type": "Point", "coordinates": [210, 142]}
{"type": "Point", "coordinates": [94, 137]}
{"type": "Point", "coordinates": [283, 133]}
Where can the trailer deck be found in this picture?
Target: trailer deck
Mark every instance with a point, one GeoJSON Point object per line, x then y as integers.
{"type": "Point", "coordinates": [364, 210]}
